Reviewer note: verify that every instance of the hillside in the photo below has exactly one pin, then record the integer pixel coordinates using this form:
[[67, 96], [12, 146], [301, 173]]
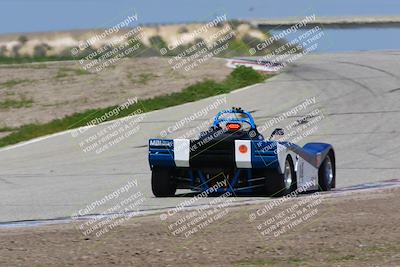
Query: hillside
[[151, 39]]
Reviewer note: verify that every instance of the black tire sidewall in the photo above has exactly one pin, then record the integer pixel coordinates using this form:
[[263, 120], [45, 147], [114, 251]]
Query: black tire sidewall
[[162, 183], [275, 184], [322, 178]]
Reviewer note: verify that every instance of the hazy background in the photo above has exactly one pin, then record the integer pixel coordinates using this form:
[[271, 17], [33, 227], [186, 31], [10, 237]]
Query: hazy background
[[50, 15], [53, 15]]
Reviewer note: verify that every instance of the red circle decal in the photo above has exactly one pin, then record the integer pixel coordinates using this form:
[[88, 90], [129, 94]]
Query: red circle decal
[[243, 149]]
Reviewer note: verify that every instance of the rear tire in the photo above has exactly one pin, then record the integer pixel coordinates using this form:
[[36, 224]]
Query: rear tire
[[327, 173], [162, 183], [278, 184]]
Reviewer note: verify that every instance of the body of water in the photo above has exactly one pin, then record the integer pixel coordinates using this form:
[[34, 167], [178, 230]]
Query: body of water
[[354, 39]]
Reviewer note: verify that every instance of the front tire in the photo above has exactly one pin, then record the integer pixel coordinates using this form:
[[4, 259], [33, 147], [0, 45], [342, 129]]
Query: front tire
[[278, 184], [162, 183]]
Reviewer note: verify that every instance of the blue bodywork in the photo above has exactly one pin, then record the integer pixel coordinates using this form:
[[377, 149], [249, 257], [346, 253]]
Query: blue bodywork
[[264, 155], [248, 119]]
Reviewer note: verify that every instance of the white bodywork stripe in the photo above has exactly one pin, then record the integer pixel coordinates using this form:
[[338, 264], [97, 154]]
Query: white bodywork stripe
[[243, 159], [281, 153], [181, 152], [307, 175]]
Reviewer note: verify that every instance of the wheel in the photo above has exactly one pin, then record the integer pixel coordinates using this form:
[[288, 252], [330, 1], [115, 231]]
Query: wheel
[[326, 173], [162, 183], [278, 184]]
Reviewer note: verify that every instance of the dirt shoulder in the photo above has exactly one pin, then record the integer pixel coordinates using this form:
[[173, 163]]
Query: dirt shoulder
[[41, 92], [358, 229]]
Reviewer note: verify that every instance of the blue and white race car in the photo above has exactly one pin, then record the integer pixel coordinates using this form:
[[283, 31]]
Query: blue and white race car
[[232, 153]]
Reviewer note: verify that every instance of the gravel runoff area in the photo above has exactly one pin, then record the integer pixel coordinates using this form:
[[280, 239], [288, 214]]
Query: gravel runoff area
[[358, 228]]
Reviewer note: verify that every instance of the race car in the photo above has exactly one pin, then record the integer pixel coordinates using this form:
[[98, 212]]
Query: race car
[[232, 156]]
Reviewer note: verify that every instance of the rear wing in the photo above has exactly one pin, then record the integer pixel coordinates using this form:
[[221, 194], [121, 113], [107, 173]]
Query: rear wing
[[245, 154], [238, 153]]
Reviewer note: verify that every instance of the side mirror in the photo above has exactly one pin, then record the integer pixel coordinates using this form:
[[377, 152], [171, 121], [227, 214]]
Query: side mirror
[[277, 131]]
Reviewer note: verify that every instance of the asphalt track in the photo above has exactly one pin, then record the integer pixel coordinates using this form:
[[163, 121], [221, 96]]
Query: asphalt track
[[358, 93]]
